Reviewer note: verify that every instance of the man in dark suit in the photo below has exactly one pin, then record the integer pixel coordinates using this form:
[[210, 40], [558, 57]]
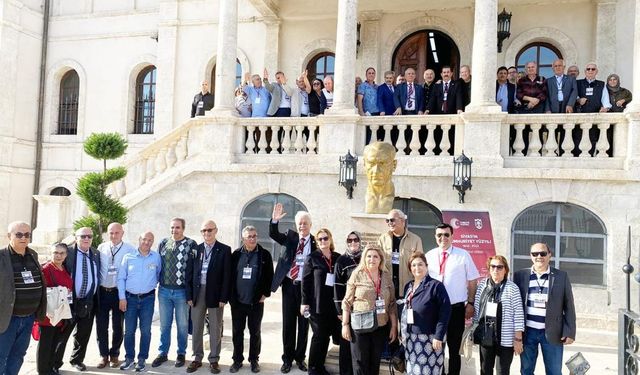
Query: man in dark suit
[[207, 292], [407, 97], [549, 311], [83, 264], [298, 245], [447, 96], [562, 90], [385, 94], [505, 91]]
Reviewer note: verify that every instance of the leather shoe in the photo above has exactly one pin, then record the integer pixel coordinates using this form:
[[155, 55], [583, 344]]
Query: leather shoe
[[193, 366], [255, 367], [214, 368], [159, 360], [180, 360], [302, 366], [235, 367], [103, 362], [286, 367], [115, 362], [79, 366]]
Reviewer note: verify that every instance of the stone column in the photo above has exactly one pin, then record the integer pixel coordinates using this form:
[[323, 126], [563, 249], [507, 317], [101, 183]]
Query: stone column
[[370, 37], [272, 43], [484, 57], [633, 110], [635, 104], [166, 64], [343, 99], [606, 36], [226, 58]]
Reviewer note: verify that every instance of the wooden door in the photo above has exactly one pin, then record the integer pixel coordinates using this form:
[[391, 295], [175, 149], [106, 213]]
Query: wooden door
[[412, 53]]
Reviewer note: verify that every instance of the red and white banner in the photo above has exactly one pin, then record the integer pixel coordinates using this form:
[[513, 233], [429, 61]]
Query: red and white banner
[[472, 232]]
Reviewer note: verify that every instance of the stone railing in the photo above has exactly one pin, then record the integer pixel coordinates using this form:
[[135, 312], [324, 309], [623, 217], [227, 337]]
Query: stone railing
[[414, 135], [277, 135], [600, 135]]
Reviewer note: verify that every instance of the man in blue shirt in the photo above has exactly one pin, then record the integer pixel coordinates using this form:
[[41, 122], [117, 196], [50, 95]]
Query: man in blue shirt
[[137, 280], [259, 96]]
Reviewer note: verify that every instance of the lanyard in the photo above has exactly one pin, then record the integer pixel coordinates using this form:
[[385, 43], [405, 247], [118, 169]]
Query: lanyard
[[113, 255], [443, 262], [328, 262], [207, 256], [540, 285], [379, 285]]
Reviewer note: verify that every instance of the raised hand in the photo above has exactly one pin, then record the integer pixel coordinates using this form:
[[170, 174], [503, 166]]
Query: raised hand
[[278, 213]]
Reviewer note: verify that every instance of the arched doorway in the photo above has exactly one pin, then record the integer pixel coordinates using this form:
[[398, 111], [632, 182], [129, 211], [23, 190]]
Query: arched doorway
[[426, 49], [422, 219]]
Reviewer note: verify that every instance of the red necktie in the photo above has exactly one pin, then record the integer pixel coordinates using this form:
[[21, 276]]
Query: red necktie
[[295, 269], [443, 263]]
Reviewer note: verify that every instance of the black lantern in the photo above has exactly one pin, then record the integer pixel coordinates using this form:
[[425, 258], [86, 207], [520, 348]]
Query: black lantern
[[348, 173], [462, 175], [504, 27]]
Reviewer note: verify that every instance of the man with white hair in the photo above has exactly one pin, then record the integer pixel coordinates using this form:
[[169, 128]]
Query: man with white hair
[[298, 245], [23, 294]]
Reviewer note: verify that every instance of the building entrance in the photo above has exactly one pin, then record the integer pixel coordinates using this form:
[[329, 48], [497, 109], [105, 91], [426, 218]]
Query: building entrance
[[426, 49]]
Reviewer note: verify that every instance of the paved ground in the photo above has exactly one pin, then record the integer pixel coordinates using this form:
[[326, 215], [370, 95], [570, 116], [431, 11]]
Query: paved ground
[[603, 359]]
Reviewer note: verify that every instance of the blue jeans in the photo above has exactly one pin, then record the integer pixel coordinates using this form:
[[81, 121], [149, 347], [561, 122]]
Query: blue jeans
[[14, 343], [551, 353], [170, 300], [138, 309]]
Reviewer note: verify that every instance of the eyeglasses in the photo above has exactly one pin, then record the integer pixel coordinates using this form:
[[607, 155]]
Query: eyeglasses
[[207, 230], [20, 234], [539, 254], [391, 220], [86, 236], [439, 235], [252, 236], [316, 83], [323, 238], [498, 267], [590, 69], [351, 240]]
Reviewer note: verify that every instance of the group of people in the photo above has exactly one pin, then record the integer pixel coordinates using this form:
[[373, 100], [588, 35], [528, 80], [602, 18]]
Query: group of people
[[516, 92], [384, 293]]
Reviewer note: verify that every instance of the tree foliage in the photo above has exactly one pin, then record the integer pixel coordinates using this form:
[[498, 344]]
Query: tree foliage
[[92, 187]]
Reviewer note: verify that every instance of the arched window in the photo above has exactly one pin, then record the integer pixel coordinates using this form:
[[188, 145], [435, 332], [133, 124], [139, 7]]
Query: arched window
[[321, 65], [212, 87], [422, 219], [577, 239], [258, 213], [145, 101], [541, 53], [60, 191], [68, 103]]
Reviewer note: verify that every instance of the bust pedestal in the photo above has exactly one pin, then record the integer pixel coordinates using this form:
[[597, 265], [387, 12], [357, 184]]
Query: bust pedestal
[[370, 226]]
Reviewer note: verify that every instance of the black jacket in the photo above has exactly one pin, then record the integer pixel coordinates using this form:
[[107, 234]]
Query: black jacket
[[511, 95], [70, 265], [207, 104], [265, 274], [315, 292], [218, 275], [290, 241], [345, 265], [455, 97]]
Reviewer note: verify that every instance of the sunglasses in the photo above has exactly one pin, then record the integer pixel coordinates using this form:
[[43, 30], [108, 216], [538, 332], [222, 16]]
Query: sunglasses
[[351, 240], [390, 220], [316, 83], [499, 267], [86, 236], [207, 230], [539, 254], [323, 238], [590, 69], [252, 236], [443, 234], [20, 235]]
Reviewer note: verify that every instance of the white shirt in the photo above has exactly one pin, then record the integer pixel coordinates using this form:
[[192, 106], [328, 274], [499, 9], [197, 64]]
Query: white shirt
[[459, 269], [329, 96], [305, 252], [111, 257]]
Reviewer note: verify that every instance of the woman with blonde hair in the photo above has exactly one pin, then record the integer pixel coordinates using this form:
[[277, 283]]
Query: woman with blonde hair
[[369, 311]]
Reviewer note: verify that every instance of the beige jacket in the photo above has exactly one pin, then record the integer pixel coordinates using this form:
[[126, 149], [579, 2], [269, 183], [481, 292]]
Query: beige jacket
[[409, 243], [361, 295]]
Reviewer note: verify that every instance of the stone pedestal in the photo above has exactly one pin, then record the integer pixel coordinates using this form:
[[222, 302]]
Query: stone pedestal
[[370, 226], [54, 218]]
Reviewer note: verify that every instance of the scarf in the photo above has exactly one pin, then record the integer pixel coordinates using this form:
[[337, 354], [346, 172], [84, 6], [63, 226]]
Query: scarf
[[615, 88]]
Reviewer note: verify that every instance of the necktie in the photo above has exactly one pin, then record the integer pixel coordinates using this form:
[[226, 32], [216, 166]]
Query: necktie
[[390, 88], [85, 276], [445, 107], [443, 262], [295, 269], [409, 100]]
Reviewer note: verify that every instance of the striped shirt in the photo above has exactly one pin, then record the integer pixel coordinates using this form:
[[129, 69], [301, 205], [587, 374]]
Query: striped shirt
[[538, 289], [28, 282], [512, 315]]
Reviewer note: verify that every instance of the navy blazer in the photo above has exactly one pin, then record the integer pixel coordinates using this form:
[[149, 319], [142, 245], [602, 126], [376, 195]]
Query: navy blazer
[[511, 96], [560, 319], [569, 93], [431, 308], [385, 99], [455, 97], [218, 275], [290, 241], [400, 96]]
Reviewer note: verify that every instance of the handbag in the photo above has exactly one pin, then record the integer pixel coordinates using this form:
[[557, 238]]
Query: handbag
[[397, 361], [35, 331], [364, 322], [485, 333]]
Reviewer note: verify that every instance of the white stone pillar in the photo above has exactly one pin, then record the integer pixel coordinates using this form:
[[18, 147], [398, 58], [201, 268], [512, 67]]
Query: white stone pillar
[[633, 110], [168, 23], [226, 58], [344, 88], [272, 44], [635, 104], [370, 37], [484, 57], [605, 35]]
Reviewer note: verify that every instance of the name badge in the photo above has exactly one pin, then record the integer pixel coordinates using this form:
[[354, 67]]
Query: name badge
[[300, 260], [246, 273], [112, 270], [492, 309], [70, 296], [205, 268], [539, 300], [445, 96], [589, 91], [152, 266], [200, 104], [331, 279], [257, 101], [409, 316], [395, 258], [560, 96], [27, 276], [380, 306]]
